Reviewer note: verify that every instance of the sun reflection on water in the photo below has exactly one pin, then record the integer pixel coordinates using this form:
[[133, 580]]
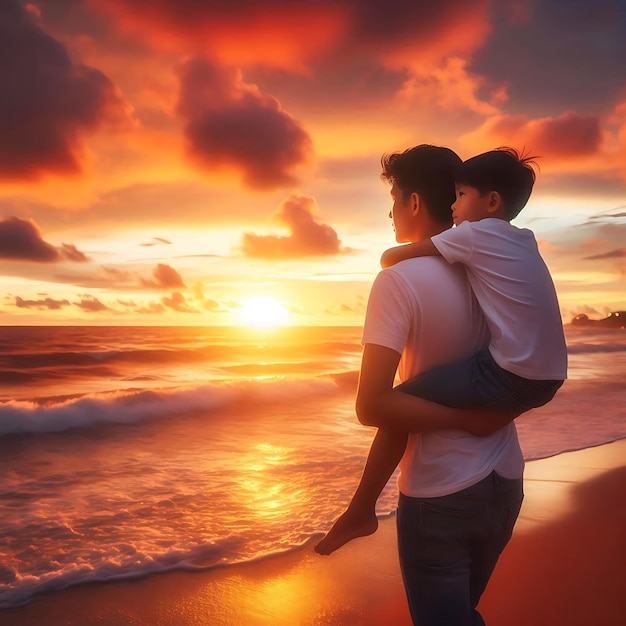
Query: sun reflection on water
[[267, 495]]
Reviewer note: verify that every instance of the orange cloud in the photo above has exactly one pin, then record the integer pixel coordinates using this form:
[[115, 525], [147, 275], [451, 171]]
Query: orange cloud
[[229, 123], [91, 304], [153, 308], [70, 252], [177, 302], [165, 277], [48, 303], [49, 102], [308, 237], [618, 120], [451, 86], [22, 240], [277, 33], [296, 35], [568, 136]]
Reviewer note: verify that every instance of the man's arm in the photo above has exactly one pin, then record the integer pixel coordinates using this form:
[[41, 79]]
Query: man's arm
[[378, 404], [408, 251]]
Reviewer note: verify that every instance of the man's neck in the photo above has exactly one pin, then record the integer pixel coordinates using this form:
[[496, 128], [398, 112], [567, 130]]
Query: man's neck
[[431, 229]]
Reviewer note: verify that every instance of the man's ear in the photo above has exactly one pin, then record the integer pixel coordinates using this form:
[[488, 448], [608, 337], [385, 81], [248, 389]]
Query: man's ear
[[415, 203], [495, 202]]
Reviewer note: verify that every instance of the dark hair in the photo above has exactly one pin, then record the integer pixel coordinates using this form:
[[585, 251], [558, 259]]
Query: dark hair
[[504, 170], [429, 171]]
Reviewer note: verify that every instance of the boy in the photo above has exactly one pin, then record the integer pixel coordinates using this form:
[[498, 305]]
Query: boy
[[526, 361]]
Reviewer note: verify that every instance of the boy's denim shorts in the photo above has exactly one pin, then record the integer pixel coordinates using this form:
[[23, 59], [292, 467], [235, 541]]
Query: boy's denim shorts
[[480, 382]]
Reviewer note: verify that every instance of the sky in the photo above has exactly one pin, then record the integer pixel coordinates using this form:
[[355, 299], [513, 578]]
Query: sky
[[203, 162]]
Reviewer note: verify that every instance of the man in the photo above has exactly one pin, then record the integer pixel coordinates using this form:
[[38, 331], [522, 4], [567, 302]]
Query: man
[[460, 494]]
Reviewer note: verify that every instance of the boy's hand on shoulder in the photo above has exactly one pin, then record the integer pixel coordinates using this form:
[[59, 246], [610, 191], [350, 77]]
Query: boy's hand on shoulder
[[390, 257], [408, 251]]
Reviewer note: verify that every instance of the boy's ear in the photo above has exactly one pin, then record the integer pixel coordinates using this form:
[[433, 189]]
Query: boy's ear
[[495, 202]]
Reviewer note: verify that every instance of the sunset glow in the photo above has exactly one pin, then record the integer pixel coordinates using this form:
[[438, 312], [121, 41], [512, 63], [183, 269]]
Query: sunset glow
[[161, 163], [263, 312]]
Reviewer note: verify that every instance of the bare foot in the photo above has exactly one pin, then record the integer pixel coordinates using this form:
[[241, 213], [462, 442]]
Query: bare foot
[[348, 526]]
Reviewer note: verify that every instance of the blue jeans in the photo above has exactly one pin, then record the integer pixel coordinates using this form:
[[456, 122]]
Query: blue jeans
[[449, 546]]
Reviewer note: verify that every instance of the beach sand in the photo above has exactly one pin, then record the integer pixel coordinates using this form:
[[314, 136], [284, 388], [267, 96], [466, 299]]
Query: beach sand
[[563, 567]]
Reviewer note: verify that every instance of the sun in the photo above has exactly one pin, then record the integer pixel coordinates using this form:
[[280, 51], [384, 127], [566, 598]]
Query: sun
[[263, 313]]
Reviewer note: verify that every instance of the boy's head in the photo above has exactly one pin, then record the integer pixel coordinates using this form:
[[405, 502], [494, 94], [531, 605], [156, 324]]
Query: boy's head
[[430, 172], [502, 178]]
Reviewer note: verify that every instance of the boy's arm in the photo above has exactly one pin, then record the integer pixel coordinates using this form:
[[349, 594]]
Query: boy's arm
[[394, 255], [378, 404]]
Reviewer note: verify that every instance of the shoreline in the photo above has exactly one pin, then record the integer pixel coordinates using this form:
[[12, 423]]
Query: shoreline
[[563, 566]]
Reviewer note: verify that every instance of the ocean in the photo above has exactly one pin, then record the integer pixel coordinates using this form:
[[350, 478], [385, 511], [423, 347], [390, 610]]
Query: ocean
[[131, 451]]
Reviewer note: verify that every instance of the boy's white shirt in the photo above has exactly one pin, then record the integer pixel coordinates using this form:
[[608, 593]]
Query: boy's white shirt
[[515, 291]]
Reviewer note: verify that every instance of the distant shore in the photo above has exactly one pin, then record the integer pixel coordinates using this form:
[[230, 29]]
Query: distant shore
[[615, 319], [564, 565]]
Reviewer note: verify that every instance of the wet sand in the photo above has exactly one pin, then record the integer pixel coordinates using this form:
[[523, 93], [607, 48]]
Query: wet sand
[[563, 567]]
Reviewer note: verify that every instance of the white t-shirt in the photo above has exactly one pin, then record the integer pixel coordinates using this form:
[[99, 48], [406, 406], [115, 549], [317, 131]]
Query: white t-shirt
[[515, 291], [425, 309]]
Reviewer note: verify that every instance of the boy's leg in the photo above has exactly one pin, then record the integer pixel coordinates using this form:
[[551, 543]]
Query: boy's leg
[[467, 384], [359, 519]]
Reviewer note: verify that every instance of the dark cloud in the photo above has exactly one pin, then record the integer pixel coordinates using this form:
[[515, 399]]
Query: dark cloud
[[308, 237], [48, 303], [412, 33], [21, 240], [177, 302], [165, 277], [562, 52], [91, 304], [231, 124], [620, 253], [47, 102]]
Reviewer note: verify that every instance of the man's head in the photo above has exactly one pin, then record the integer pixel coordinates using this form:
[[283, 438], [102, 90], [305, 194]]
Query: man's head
[[422, 177], [497, 183]]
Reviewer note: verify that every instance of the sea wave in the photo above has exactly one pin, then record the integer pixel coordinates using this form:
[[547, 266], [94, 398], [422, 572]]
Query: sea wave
[[20, 359], [126, 407], [17, 589], [591, 348]]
